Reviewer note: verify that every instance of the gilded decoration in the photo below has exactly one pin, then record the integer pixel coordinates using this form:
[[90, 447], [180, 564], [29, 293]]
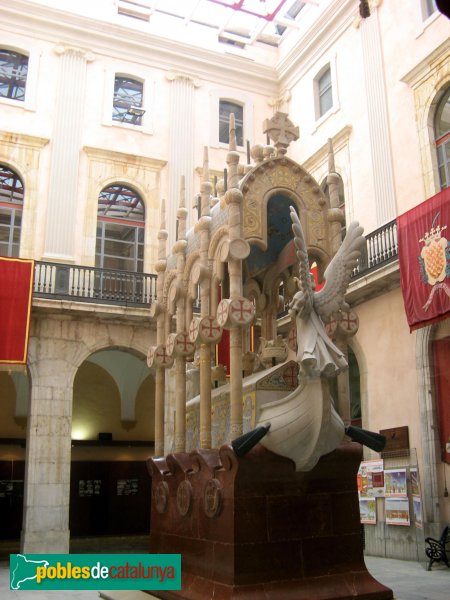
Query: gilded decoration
[[283, 176]]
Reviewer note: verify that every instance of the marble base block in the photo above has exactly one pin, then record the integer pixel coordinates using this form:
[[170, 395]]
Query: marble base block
[[253, 528]]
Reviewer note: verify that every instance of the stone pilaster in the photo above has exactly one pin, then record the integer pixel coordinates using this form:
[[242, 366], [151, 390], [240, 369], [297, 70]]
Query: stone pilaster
[[377, 114], [181, 155], [47, 478], [66, 147]]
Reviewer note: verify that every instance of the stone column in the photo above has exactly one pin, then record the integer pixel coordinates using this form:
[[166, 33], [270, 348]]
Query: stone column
[[179, 250], [181, 154], [203, 228], [48, 453], [157, 311], [234, 199], [377, 113], [66, 146]]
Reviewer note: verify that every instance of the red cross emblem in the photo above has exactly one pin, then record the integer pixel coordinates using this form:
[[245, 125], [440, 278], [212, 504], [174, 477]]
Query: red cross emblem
[[241, 311], [161, 357], [290, 375], [210, 330], [349, 323], [183, 344]]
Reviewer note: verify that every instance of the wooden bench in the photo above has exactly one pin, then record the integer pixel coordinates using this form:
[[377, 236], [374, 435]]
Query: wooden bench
[[437, 551]]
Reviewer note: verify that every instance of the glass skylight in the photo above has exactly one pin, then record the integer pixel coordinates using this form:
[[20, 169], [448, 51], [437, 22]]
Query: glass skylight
[[239, 21]]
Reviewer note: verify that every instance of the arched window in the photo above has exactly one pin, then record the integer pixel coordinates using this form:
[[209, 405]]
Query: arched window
[[225, 109], [127, 102], [13, 74], [120, 229], [11, 205], [442, 137]]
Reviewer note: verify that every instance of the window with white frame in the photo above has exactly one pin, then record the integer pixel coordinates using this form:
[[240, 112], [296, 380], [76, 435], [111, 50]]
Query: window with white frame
[[11, 205], [120, 229], [442, 138], [324, 91], [128, 100], [226, 107], [13, 74], [428, 8]]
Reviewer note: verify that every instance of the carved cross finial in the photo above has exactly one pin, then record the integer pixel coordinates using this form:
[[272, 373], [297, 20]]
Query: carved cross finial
[[281, 131]]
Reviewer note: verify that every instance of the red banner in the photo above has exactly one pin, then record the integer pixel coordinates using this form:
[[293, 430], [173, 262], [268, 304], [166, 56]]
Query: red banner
[[16, 288], [424, 255]]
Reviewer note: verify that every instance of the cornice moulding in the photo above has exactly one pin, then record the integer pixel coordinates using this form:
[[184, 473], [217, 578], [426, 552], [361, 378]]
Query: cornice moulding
[[21, 139], [122, 157], [426, 66]]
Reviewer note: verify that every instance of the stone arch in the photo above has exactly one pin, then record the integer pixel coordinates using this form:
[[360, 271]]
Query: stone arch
[[168, 280], [216, 241], [134, 185], [218, 265], [126, 367], [358, 351]]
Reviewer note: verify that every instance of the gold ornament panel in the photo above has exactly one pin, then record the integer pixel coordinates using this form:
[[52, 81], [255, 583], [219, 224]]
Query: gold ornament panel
[[283, 176]]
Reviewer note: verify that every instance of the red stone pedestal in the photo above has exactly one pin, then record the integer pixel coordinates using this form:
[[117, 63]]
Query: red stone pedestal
[[252, 528]]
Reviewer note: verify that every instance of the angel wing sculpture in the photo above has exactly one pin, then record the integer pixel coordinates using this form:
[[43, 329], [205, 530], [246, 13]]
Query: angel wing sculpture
[[316, 352], [304, 424]]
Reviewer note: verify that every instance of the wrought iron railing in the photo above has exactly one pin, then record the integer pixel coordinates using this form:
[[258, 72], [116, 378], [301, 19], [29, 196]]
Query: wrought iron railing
[[381, 248], [113, 286], [92, 284]]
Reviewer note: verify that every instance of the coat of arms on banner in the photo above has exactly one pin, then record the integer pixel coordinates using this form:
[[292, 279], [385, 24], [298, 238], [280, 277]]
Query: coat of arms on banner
[[434, 260]]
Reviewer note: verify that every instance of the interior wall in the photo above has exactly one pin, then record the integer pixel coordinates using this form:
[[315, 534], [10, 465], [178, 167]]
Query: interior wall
[[96, 407], [10, 426]]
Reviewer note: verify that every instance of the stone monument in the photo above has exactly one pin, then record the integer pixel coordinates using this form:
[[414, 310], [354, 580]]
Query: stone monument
[[276, 519]]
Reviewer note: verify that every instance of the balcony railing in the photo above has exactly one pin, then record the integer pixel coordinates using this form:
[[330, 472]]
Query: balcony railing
[[91, 284], [381, 248], [112, 286]]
